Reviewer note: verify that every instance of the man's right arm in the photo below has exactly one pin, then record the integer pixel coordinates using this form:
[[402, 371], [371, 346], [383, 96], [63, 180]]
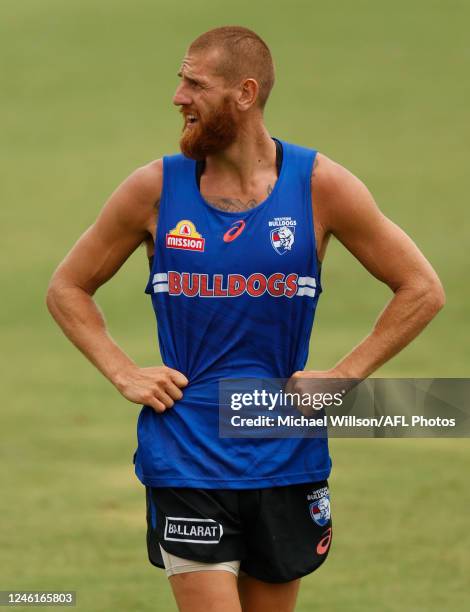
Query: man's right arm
[[127, 219]]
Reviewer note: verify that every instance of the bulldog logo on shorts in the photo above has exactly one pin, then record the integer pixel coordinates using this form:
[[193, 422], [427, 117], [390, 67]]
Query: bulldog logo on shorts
[[320, 510]]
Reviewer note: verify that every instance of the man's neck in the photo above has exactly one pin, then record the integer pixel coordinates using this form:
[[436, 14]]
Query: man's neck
[[252, 152]]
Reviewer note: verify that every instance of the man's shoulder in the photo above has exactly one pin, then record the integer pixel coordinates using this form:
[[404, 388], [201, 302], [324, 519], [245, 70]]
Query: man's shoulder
[[338, 196], [134, 202], [326, 173], [144, 184], [329, 178], [149, 176]]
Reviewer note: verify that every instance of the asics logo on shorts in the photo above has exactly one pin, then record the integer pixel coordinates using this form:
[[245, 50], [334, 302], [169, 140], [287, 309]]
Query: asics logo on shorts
[[324, 544], [195, 530]]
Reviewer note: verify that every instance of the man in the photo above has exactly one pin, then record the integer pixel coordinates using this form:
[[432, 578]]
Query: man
[[235, 230]]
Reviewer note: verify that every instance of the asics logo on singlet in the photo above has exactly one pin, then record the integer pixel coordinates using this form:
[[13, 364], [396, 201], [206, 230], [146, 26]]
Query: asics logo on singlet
[[233, 285], [235, 230]]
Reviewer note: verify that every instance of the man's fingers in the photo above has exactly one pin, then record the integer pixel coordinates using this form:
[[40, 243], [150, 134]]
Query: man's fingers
[[157, 405], [178, 378], [173, 391], [291, 385], [164, 398]]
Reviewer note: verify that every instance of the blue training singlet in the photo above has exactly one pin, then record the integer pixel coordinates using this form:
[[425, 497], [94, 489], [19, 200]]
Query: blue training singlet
[[234, 294]]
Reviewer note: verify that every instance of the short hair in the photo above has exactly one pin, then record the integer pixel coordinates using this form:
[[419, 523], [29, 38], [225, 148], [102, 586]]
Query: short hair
[[244, 55]]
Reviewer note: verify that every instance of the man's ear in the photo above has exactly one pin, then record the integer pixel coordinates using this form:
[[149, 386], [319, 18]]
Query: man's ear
[[248, 94]]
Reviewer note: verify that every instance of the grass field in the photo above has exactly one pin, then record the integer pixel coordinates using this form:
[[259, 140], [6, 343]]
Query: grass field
[[86, 97]]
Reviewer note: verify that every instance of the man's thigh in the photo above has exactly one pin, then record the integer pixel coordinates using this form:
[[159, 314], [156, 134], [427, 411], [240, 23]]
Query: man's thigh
[[258, 596], [206, 591], [213, 591]]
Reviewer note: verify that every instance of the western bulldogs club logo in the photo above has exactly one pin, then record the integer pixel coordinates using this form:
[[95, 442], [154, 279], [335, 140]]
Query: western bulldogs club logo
[[320, 506], [283, 234]]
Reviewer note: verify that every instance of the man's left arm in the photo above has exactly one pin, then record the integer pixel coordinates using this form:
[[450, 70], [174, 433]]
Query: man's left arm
[[344, 208]]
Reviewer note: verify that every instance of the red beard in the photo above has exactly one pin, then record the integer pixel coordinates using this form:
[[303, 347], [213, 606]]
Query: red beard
[[210, 135]]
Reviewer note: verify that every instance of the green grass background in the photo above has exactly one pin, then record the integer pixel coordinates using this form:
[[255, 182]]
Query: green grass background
[[86, 90]]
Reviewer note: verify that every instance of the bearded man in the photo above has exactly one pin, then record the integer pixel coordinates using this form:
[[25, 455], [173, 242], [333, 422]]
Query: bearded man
[[236, 229]]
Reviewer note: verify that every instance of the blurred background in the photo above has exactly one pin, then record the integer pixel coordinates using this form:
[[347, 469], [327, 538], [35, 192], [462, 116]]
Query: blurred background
[[382, 88]]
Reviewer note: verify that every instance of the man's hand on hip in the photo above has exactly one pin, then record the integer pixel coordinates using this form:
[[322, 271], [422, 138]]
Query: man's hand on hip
[[158, 387]]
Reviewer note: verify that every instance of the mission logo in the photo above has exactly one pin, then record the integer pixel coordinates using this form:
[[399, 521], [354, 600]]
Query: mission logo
[[185, 237]]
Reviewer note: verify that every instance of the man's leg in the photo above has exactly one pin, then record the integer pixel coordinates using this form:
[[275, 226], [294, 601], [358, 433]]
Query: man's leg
[[258, 596], [206, 591]]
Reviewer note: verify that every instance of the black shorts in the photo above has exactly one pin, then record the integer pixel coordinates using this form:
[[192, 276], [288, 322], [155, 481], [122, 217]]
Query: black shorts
[[278, 534]]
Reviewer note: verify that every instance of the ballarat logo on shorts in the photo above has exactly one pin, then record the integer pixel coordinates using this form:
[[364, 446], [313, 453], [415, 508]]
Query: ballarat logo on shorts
[[320, 506], [195, 530], [283, 234], [184, 236]]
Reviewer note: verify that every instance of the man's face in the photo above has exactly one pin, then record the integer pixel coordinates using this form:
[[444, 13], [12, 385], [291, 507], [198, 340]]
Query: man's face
[[205, 100]]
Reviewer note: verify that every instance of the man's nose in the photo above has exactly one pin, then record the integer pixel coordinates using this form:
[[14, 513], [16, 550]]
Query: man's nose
[[181, 98]]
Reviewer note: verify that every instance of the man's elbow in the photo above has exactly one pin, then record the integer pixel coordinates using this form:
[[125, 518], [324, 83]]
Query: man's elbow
[[440, 299], [52, 294], [57, 291], [433, 297]]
